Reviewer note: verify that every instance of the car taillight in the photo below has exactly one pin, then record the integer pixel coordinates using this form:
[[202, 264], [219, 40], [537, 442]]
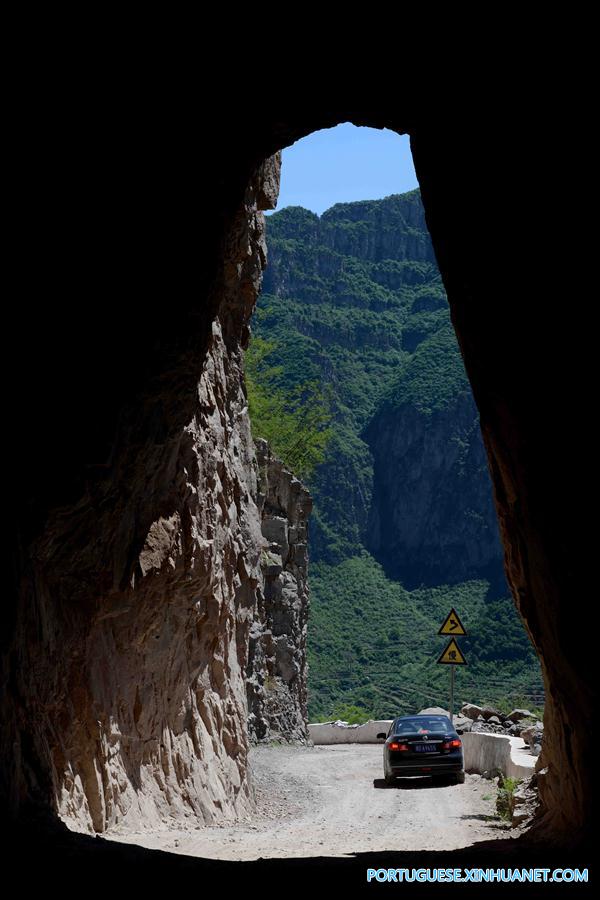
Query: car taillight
[[452, 745], [396, 746]]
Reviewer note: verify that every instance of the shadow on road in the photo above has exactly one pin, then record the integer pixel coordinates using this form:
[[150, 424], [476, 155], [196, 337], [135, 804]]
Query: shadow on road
[[492, 821], [483, 818], [85, 867], [410, 784], [419, 783]]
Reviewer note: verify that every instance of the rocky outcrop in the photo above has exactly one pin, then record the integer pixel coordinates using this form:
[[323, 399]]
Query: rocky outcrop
[[276, 682], [315, 266], [525, 802], [137, 602], [437, 523]]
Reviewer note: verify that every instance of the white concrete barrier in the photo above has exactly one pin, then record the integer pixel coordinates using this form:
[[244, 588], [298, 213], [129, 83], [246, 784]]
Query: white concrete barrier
[[485, 752], [342, 733]]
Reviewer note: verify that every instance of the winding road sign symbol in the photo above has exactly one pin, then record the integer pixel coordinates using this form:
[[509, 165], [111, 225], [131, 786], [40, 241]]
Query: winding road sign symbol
[[452, 624]]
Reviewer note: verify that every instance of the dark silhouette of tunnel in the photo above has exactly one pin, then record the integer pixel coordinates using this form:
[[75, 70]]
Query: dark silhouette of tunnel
[[123, 221]]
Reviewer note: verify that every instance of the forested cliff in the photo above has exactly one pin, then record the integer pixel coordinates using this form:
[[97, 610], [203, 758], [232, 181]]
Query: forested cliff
[[403, 523]]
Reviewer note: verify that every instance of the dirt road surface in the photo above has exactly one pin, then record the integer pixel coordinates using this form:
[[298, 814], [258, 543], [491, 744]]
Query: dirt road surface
[[333, 801]]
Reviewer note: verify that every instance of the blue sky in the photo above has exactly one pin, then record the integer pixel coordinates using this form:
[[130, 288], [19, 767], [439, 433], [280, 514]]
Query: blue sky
[[338, 165]]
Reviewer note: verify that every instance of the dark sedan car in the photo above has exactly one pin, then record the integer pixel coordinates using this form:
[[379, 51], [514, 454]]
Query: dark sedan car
[[422, 745]]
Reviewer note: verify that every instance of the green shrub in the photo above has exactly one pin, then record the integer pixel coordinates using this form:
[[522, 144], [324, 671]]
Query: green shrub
[[505, 801], [346, 712], [507, 704]]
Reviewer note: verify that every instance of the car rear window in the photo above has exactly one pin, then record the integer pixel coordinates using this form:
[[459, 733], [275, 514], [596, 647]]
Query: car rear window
[[417, 726]]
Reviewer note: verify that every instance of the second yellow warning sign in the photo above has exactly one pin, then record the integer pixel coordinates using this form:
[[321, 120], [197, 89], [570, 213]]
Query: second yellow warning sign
[[452, 655]]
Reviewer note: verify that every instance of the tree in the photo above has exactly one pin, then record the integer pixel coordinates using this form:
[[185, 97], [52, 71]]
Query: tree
[[296, 422]]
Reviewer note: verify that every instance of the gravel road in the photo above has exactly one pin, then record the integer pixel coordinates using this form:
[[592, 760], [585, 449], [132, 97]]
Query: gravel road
[[332, 801]]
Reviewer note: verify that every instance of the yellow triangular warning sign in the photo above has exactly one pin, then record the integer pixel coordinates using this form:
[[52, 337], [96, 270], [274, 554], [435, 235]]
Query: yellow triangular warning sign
[[452, 655], [452, 624]]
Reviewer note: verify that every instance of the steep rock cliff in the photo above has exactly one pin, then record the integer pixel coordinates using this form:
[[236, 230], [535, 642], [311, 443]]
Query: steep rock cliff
[[276, 682], [348, 297], [432, 517], [130, 644]]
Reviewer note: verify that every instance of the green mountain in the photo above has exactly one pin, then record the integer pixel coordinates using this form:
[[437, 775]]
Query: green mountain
[[403, 526]]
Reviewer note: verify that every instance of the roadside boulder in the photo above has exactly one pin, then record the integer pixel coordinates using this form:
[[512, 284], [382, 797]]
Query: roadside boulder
[[433, 711], [533, 736], [517, 714], [471, 711], [487, 727], [488, 711], [462, 723]]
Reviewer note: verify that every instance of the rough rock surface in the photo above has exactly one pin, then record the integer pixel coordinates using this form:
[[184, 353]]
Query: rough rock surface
[[487, 719], [277, 672], [489, 712], [525, 802], [517, 714], [534, 736], [442, 508], [471, 711], [463, 723], [137, 604]]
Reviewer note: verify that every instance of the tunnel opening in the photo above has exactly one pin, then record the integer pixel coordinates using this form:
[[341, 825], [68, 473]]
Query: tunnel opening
[[495, 378], [96, 549], [342, 310], [348, 310]]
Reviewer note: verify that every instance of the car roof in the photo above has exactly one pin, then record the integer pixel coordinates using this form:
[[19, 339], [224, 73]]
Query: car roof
[[424, 716]]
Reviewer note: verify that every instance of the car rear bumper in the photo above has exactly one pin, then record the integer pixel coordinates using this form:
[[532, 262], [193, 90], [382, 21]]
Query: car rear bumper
[[432, 769], [422, 764]]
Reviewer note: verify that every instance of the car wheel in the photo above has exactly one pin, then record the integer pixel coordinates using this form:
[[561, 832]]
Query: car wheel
[[390, 779], [459, 778]]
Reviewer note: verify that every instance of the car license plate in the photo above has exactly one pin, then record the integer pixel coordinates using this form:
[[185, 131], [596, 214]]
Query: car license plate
[[425, 748]]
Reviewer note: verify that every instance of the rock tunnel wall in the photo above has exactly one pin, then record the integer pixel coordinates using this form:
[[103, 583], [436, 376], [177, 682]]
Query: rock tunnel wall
[[139, 263], [132, 641]]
